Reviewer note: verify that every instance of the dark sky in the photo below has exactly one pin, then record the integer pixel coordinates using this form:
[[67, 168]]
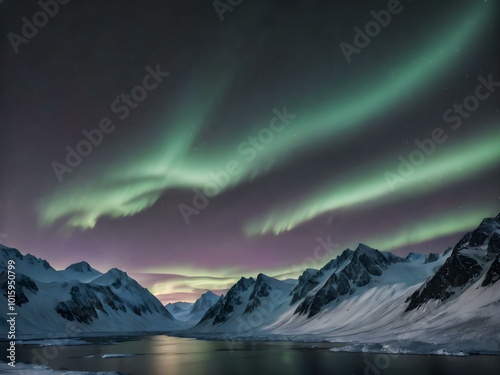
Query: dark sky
[[245, 138]]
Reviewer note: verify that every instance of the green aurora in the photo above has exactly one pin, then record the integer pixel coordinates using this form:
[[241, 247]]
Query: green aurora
[[132, 185]]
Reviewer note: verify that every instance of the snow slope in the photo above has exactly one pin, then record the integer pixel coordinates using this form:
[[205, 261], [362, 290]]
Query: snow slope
[[80, 271], [248, 304], [180, 310], [202, 305], [78, 300], [444, 303], [29, 369], [193, 312]]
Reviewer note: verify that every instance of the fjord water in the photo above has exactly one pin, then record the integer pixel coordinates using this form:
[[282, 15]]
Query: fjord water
[[160, 355]]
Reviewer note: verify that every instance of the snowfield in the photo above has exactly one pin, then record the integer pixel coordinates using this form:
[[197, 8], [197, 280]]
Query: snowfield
[[26, 369], [431, 304]]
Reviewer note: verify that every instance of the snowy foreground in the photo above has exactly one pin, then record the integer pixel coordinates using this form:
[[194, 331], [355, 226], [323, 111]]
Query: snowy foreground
[[26, 369], [388, 349]]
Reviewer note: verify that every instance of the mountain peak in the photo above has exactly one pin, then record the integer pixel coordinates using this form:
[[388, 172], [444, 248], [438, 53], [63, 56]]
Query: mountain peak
[[385, 257], [262, 278], [204, 303], [362, 248], [345, 255], [209, 294], [117, 272], [80, 267], [116, 278], [13, 253], [472, 258], [244, 283]]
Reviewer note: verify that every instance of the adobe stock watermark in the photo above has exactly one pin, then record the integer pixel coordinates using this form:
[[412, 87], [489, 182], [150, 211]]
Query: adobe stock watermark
[[11, 311], [249, 149], [383, 360], [483, 91], [223, 6], [47, 353], [372, 29], [317, 260], [427, 146], [30, 28], [121, 106]]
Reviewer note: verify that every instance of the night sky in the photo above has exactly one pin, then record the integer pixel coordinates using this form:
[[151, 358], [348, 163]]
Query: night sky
[[244, 139]]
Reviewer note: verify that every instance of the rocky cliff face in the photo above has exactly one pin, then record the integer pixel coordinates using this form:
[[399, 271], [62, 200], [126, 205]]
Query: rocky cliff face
[[235, 297], [475, 255], [88, 301], [249, 298], [49, 300], [351, 270]]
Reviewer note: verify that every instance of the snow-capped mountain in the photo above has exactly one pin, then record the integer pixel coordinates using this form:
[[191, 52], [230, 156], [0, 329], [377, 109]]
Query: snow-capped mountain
[[202, 305], [269, 306], [227, 305], [368, 296], [250, 302], [476, 256], [80, 271], [179, 310], [362, 296], [341, 277], [193, 312], [79, 299]]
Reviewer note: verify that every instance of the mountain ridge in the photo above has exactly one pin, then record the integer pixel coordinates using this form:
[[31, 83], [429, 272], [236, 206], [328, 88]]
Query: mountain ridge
[[365, 295], [362, 295], [50, 301]]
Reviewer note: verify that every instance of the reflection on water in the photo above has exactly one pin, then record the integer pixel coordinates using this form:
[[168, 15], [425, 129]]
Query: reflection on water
[[160, 355]]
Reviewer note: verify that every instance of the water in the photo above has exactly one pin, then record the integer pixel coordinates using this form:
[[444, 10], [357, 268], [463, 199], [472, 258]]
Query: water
[[161, 355]]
